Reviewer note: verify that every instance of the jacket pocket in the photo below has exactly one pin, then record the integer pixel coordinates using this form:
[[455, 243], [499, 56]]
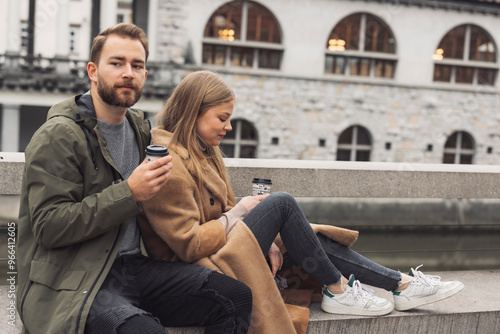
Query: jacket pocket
[[55, 277]]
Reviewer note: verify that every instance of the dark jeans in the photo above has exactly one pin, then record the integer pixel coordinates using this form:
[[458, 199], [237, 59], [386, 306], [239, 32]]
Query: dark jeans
[[168, 294], [323, 258]]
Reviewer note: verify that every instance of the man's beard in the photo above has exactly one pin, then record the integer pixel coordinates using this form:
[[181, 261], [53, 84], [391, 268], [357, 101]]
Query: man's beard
[[109, 95]]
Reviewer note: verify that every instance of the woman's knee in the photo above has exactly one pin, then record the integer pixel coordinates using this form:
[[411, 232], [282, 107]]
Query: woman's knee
[[282, 197]]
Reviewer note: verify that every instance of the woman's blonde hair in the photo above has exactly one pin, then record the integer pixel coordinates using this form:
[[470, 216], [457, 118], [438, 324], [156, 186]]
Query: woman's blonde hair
[[197, 92]]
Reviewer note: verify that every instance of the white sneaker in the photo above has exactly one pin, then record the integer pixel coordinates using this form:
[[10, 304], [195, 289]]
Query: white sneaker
[[356, 300], [424, 289]]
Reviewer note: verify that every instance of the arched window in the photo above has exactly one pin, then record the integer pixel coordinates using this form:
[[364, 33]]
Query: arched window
[[459, 148], [241, 142], [361, 45], [466, 55], [354, 144], [242, 34]]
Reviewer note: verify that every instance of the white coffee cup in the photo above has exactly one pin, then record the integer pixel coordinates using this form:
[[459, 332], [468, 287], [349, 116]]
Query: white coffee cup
[[261, 186], [154, 152]]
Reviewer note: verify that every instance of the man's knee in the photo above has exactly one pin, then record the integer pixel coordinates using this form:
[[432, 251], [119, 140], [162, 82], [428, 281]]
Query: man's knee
[[235, 296]]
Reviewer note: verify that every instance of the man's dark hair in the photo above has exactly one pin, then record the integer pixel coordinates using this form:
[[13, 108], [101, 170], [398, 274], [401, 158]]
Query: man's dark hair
[[122, 29]]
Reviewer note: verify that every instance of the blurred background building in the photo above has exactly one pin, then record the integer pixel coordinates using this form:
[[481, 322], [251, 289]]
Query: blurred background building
[[385, 81]]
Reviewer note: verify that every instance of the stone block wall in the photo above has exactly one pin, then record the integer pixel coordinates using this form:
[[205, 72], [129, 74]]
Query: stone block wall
[[300, 112]]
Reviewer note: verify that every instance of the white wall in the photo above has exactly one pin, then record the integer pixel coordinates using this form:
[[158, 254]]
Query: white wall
[[306, 25]]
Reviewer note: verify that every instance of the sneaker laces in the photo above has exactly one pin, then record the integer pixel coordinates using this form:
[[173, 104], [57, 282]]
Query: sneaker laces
[[359, 289], [420, 277]]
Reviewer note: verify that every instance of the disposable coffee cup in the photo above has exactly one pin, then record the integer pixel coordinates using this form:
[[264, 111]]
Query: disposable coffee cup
[[261, 186], [154, 152]]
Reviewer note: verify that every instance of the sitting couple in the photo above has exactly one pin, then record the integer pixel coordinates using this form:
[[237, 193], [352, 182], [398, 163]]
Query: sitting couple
[[86, 180]]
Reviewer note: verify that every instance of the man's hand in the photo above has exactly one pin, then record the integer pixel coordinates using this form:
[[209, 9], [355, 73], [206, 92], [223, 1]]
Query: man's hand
[[148, 178], [251, 201]]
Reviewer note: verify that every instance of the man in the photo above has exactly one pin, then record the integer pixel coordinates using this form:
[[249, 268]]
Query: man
[[80, 263]]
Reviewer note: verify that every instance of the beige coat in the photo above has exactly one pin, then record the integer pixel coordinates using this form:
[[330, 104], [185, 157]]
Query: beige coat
[[183, 226]]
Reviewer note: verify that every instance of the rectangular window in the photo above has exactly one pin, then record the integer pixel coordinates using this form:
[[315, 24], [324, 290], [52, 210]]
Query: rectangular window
[[242, 57], [270, 59], [335, 64], [486, 76], [442, 73], [360, 66], [214, 54], [464, 75], [384, 68]]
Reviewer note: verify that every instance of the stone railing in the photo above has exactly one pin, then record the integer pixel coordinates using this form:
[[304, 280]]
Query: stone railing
[[65, 75]]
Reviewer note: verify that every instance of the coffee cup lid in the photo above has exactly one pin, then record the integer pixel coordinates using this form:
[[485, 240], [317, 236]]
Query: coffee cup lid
[[264, 181], [156, 150]]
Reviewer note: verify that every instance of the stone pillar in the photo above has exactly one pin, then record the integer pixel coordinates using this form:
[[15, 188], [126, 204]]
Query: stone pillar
[[109, 9], [13, 34], [11, 118], [62, 46], [153, 29], [13, 28]]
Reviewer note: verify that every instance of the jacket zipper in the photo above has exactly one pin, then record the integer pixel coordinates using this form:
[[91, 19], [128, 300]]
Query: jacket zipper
[[138, 135], [24, 298], [97, 278]]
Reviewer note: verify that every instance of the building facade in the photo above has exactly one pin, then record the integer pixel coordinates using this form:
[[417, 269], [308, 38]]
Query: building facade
[[385, 81]]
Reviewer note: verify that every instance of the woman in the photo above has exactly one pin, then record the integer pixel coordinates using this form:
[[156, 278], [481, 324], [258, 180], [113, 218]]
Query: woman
[[194, 217]]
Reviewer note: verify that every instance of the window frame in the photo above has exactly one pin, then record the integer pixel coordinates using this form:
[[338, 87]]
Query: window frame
[[455, 64], [237, 142], [354, 55], [353, 146], [458, 151], [243, 42]]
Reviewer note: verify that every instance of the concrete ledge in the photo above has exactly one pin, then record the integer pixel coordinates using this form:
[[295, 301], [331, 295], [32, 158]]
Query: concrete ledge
[[474, 310], [11, 173], [313, 178]]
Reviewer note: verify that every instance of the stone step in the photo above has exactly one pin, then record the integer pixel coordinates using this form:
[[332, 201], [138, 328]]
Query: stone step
[[474, 310]]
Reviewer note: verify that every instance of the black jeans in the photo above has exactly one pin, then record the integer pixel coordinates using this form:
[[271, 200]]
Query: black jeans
[[323, 258], [168, 294]]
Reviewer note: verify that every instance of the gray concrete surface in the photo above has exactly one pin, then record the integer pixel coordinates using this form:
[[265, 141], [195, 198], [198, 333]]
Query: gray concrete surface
[[313, 178], [476, 309]]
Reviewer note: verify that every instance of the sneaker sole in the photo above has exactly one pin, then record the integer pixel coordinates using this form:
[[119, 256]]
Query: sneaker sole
[[355, 311], [408, 305]]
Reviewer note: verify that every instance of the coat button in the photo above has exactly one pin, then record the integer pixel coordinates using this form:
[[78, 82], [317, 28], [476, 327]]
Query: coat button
[[212, 202]]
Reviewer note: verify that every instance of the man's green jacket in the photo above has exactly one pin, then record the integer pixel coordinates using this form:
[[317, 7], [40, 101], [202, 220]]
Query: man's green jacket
[[75, 207]]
